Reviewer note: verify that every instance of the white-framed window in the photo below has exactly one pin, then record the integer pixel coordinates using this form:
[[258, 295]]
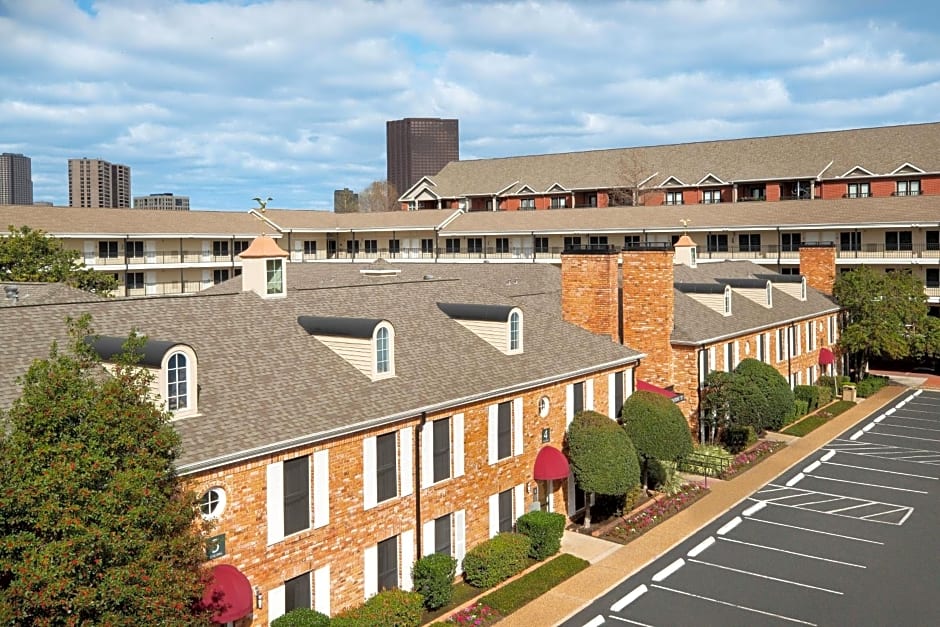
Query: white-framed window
[[811, 335], [442, 449], [108, 249], [177, 382], [710, 196], [310, 247], [858, 190], [673, 198], [212, 503], [446, 534], [504, 430], [388, 564], [383, 341], [515, 331], [289, 503], [386, 466], [781, 344], [274, 276], [578, 397], [908, 188], [306, 590], [729, 357], [220, 248], [527, 204], [803, 288], [619, 389], [559, 202], [505, 508]]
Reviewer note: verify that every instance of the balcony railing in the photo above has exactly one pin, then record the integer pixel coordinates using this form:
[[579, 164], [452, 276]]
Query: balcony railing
[[158, 257]]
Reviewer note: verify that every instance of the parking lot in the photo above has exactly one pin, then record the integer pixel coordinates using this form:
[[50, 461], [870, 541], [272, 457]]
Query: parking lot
[[848, 537]]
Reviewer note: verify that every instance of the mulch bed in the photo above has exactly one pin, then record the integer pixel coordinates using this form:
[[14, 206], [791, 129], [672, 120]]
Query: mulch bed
[[624, 529]]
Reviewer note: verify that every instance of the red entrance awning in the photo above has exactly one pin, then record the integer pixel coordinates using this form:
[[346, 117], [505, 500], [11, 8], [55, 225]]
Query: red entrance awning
[[550, 465], [675, 397], [825, 357], [229, 592]]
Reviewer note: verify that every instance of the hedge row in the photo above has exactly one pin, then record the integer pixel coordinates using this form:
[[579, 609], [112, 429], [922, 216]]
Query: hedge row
[[530, 586], [496, 560], [871, 384]]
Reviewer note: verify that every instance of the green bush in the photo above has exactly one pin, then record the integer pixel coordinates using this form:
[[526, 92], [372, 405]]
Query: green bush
[[394, 608], [301, 617], [530, 586], [800, 409], [657, 429], [601, 455], [825, 395], [544, 530], [433, 577], [761, 396], [495, 560], [634, 497], [736, 438], [871, 384], [809, 394]]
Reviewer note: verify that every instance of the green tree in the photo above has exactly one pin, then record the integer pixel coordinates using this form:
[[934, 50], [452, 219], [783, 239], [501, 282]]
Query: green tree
[[657, 429], [95, 529], [760, 396], [602, 457], [716, 403], [886, 314], [31, 255]]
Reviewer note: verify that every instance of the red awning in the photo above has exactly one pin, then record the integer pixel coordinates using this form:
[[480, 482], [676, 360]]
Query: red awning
[[825, 357], [550, 464], [675, 397], [230, 592]]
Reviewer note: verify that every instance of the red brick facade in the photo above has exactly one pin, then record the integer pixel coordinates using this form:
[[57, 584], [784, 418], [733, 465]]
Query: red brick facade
[[818, 265], [589, 291], [649, 310]]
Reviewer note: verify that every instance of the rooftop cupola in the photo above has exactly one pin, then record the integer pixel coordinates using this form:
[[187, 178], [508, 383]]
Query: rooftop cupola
[[686, 252], [263, 268]]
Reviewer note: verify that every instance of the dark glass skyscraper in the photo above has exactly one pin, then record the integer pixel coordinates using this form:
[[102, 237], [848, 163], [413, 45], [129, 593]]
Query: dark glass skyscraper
[[419, 147]]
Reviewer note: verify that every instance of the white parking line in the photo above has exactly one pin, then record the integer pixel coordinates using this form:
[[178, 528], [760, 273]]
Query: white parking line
[[768, 577], [701, 546], [808, 530], [816, 464], [857, 435], [906, 437], [868, 427], [806, 555], [890, 472], [629, 598], [668, 570], [869, 485], [795, 480], [594, 622], [917, 419], [878, 419], [890, 411], [753, 509], [728, 526], [735, 605], [915, 428], [631, 622]]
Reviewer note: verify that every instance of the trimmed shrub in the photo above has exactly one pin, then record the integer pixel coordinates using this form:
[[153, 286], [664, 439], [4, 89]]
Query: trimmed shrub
[[544, 530], [761, 396], [871, 384], [301, 617], [514, 595], [825, 395], [433, 577], [736, 438], [495, 560], [601, 455], [394, 608], [657, 429], [800, 409], [809, 394]]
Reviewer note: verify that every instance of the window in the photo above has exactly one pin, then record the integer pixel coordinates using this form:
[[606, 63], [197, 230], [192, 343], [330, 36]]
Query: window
[[572, 242], [898, 240], [711, 196], [383, 356], [505, 511], [559, 202], [761, 352], [134, 249], [527, 204], [515, 331], [296, 495], [790, 242], [474, 245], [212, 503], [749, 242], [219, 275], [598, 241], [297, 592], [239, 246], [631, 241], [134, 280], [220, 248], [908, 188], [544, 405], [504, 430], [441, 449], [452, 245], [427, 246], [753, 192], [717, 243], [618, 393], [590, 200], [933, 278], [275, 276], [394, 246], [810, 336], [790, 270], [387, 559], [310, 247], [502, 245], [578, 394], [371, 246], [729, 357], [858, 190], [177, 388], [673, 198], [541, 244], [352, 247], [932, 239], [850, 240], [108, 249], [386, 467], [442, 527], [781, 344]]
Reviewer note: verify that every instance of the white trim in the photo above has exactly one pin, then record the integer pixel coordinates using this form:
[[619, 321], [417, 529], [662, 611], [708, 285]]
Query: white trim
[[275, 501], [368, 473], [456, 429], [427, 537], [519, 501], [407, 549], [611, 396], [494, 514], [321, 488], [276, 603], [427, 454], [569, 404], [589, 394], [406, 460], [851, 172], [321, 590], [628, 384], [370, 558], [492, 433], [517, 439], [571, 487], [551, 495], [909, 166], [460, 537]]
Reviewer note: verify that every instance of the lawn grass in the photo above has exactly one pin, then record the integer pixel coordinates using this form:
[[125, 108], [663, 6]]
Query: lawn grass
[[510, 597], [818, 419]]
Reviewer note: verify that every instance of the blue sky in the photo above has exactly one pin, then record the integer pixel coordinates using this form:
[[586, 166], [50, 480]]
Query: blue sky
[[224, 101]]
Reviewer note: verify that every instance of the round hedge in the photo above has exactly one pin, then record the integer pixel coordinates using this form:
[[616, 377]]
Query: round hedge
[[761, 396], [656, 427], [601, 455]]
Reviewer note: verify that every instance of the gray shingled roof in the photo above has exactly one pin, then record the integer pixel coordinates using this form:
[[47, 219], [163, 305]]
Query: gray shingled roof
[[264, 383], [830, 154], [327, 221], [34, 293]]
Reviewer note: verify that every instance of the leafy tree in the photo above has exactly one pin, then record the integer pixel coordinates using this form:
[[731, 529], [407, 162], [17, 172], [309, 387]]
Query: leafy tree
[[657, 429], [760, 397], [31, 255], [886, 314], [602, 457], [716, 403], [96, 529]]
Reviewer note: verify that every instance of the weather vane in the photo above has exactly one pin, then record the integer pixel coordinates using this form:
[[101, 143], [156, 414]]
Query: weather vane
[[685, 223], [262, 205]]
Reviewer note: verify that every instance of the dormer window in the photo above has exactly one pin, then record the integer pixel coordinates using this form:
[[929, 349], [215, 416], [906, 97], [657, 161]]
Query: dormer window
[[383, 351], [366, 344], [727, 311], [515, 331], [177, 382], [770, 294], [498, 325], [274, 276]]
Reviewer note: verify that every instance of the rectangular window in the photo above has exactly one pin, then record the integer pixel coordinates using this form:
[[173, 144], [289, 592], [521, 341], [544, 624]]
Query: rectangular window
[[371, 246], [899, 240], [504, 430], [134, 249], [711, 196], [220, 248], [297, 593], [717, 243], [572, 242], [442, 527], [108, 249], [239, 246], [729, 357], [559, 202], [394, 246], [387, 560], [427, 246], [631, 241], [578, 389], [527, 204], [850, 241], [452, 245], [441, 449], [352, 247], [386, 467], [502, 245], [908, 188], [541, 244], [505, 510], [933, 278], [761, 347], [134, 280], [618, 393], [598, 241], [219, 275], [274, 273], [810, 336], [296, 495], [858, 190], [749, 242], [673, 198], [790, 270], [790, 242], [932, 240], [474, 245], [781, 344], [310, 247]]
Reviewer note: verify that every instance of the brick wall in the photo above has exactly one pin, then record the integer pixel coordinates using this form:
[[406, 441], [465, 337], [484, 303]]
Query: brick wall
[[648, 311], [818, 265], [589, 296]]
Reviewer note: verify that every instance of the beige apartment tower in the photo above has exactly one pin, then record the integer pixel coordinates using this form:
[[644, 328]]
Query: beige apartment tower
[[162, 202], [98, 183], [16, 180]]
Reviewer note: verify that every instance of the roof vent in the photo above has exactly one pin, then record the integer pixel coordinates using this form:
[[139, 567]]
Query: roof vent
[[428, 277], [12, 292]]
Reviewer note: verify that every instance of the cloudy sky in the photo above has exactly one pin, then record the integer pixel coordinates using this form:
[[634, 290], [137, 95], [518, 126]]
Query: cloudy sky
[[223, 101]]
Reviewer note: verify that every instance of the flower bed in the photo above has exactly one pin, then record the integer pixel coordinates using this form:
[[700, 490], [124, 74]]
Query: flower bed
[[754, 455], [636, 524], [477, 614]]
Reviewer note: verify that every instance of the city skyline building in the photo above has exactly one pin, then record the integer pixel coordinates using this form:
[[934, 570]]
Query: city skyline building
[[419, 147], [162, 202], [16, 179], [99, 183]]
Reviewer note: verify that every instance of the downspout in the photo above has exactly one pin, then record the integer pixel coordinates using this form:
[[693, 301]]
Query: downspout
[[417, 480]]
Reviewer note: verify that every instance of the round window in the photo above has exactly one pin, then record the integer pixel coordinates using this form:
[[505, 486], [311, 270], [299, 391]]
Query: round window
[[544, 406], [212, 503]]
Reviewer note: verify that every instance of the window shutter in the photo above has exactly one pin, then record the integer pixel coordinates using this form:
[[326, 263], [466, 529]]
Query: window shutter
[[460, 538], [737, 354], [276, 603], [589, 394], [491, 430], [275, 501], [571, 487], [371, 565], [457, 429], [407, 559], [427, 454], [569, 404], [321, 590], [406, 460], [494, 514], [517, 426], [628, 385], [321, 488], [368, 473], [711, 358], [520, 502], [427, 537], [611, 412]]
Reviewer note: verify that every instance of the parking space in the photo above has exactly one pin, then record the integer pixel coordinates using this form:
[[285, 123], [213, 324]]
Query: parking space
[[847, 537]]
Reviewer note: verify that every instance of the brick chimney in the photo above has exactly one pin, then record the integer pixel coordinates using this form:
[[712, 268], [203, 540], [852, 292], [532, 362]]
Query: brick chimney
[[649, 309], [589, 296], [818, 265]]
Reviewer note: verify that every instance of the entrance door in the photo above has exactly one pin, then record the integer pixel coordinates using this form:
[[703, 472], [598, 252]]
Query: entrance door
[[545, 495]]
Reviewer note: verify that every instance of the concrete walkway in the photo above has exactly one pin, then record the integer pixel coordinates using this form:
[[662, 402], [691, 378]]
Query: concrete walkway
[[608, 568]]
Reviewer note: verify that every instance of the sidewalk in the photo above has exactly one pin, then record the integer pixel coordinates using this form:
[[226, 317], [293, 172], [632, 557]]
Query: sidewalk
[[570, 596]]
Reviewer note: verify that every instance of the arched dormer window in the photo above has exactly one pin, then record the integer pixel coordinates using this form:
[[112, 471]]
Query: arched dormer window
[[770, 294], [727, 311], [384, 350], [515, 331], [803, 289], [177, 382]]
